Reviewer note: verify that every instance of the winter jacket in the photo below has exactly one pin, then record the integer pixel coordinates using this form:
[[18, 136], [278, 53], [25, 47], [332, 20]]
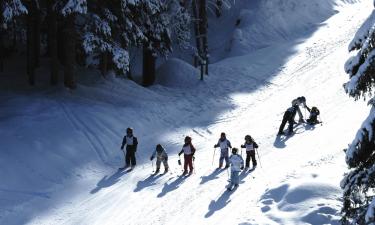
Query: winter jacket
[[187, 149], [160, 155], [223, 144], [250, 146], [236, 162], [130, 142]]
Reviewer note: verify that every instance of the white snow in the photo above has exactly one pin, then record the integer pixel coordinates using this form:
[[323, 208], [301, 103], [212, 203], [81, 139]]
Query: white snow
[[61, 149]]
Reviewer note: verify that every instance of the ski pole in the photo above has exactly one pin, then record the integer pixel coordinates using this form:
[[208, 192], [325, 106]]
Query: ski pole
[[152, 163], [213, 157], [228, 174], [179, 162], [193, 159], [321, 121], [258, 158]]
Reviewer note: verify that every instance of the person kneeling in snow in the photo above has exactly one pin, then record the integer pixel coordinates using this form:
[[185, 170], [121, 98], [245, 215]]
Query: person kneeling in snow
[[296, 103], [224, 145], [314, 113], [250, 146], [188, 150], [161, 157], [236, 163]]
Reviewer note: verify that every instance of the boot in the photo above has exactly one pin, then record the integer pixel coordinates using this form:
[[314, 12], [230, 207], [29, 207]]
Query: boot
[[166, 170], [157, 170], [220, 165]]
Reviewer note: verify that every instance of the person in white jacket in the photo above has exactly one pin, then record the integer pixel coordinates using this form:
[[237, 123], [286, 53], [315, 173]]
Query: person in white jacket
[[236, 163], [161, 157]]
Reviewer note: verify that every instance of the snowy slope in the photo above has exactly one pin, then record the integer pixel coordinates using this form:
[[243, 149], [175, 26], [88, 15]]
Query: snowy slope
[[60, 149]]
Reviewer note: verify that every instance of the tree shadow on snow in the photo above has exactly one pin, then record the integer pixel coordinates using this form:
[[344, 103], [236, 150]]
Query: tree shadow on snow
[[171, 186], [212, 176], [149, 181], [108, 181]]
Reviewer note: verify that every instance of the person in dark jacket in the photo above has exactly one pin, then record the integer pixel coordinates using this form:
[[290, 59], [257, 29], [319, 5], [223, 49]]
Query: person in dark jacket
[[224, 145], [131, 143], [313, 118], [250, 146], [289, 115], [188, 150], [300, 101]]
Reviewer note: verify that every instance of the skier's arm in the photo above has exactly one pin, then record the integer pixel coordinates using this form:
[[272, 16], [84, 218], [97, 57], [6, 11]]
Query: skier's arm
[[192, 149], [255, 145], [217, 144], [153, 155], [135, 143], [182, 151], [229, 145], [123, 142]]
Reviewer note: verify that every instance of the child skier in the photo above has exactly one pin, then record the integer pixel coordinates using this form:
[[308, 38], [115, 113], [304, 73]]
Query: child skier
[[131, 143], [289, 115], [250, 146], [161, 157], [188, 150], [313, 118], [224, 145], [236, 163]]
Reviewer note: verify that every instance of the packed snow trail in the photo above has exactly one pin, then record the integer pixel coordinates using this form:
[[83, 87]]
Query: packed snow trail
[[297, 178]]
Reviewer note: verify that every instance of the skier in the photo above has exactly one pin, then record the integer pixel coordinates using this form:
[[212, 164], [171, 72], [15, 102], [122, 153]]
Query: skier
[[224, 145], [131, 143], [313, 118], [289, 115], [250, 146], [188, 150], [236, 163], [161, 157], [297, 102]]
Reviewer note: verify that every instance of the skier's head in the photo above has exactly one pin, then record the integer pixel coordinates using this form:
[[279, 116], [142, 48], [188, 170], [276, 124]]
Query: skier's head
[[159, 148], [187, 139], [222, 135], [129, 131], [234, 151], [248, 138], [314, 109], [302, 99]]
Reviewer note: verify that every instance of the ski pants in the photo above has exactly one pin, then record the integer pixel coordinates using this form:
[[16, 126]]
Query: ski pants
[[130, 156], [250, 155], [164, 161], [234, 178], [288, 117], [224, 155], [188, 161]]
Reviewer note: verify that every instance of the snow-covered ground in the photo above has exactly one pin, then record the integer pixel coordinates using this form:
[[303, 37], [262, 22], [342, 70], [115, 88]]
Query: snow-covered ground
[[61, 149]]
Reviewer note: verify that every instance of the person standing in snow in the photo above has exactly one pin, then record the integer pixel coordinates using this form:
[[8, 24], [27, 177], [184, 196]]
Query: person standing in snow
[[297, 102], [289, 115], [236, 163], [250, 146], [161, 157], [188, 150], [131, 143], [224, 145]]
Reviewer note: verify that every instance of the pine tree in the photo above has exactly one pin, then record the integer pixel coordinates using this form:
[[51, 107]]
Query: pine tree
[[359, 183]]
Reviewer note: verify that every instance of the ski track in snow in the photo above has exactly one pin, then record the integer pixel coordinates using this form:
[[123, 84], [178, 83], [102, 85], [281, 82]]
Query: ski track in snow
[[286, 187]]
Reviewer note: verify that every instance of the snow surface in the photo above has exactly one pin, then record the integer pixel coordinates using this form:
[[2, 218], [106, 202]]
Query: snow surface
[[61, 149]]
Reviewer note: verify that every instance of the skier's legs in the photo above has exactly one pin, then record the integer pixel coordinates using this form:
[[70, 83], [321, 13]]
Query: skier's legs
[[235, 177], [283, 122], [158, 162], [299, 113], [132, 157], [247, 158], [165, 163], [127, 157], [253, 159], [226, 157]]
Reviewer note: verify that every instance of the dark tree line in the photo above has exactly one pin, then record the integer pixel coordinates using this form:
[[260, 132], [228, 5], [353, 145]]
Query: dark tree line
[[71, 33]]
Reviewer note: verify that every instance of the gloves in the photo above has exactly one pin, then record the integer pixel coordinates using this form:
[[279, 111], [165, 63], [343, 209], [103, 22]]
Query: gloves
[[151, 158], [215, 146], [241, 167], [242, 146], [193, 158], [179, 154]]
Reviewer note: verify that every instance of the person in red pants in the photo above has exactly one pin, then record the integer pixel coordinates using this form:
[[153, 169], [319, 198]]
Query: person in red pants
[[188, 150]]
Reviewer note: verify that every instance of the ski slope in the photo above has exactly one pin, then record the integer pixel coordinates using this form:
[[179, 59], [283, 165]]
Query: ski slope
[[61, 149]]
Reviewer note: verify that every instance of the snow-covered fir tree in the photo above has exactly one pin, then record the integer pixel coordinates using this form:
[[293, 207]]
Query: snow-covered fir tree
[[10, 9], [359, 183]]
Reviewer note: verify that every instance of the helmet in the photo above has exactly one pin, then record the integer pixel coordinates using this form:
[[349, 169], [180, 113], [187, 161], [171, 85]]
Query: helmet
[[234, 150], [247, 137], [222, 134], [302, 99], [159, 148], [129, 130]]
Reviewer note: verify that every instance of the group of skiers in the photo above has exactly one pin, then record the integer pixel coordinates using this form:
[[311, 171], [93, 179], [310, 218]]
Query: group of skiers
[[235, 161]]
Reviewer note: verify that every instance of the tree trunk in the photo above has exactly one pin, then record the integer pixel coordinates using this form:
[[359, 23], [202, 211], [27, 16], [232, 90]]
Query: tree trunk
[[2, 49], [52, 45], [203, 33], [219, 4], [196, 31], [37, 28], [104, 63], [31, 43], [149, 64], [69, 49]]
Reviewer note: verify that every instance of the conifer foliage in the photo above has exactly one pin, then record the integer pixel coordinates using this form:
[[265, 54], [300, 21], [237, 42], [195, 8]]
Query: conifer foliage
[[359, 183]]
